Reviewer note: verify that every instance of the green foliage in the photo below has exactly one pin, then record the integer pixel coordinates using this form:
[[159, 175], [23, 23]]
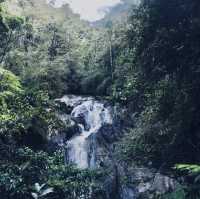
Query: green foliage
[[150, 64], [162, 86], [41, 191], [21, 107], [40, 59], [195, 169], [9, 87], [13, 23], [192, 185], [178, 194], [9, 83], [48, 49], [9, 26], [22, 171], [95, 84]]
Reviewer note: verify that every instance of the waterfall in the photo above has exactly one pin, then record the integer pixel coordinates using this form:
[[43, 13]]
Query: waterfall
[[90, 115], [91, 145]]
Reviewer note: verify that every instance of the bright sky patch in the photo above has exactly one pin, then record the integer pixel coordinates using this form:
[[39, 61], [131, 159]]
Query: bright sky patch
[[90, 10]]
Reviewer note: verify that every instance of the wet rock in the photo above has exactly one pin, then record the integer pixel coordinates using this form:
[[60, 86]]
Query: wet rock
[[127, 192], [162, 184], [80, 116], [63, 107], [108, 133], [73, 100], [67, 130], [146, 183]]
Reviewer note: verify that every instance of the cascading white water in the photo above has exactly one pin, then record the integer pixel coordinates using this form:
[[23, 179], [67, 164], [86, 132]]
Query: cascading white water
[[93, 114]]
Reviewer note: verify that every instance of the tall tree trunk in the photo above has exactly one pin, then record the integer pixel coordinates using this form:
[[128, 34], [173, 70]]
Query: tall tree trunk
[[111, 56]]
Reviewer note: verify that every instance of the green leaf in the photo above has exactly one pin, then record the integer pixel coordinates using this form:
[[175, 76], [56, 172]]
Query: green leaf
[[47, 191], [35, 196]]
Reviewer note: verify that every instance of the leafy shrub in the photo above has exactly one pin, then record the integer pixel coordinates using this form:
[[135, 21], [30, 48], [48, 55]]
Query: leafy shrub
[[20, 172], [191, 174]]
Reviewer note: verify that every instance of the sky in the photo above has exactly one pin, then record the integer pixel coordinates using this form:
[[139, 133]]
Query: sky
[[91, 10]]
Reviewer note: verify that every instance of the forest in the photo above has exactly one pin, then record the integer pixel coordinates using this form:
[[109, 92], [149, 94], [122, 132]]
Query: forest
[[100, 110]]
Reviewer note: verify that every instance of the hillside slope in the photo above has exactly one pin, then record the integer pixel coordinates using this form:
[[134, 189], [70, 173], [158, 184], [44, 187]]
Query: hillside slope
[[118, 13]]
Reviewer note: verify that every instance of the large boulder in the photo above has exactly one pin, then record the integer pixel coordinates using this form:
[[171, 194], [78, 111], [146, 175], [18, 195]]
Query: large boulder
[[145, 183], [139, 183], [68, 128]]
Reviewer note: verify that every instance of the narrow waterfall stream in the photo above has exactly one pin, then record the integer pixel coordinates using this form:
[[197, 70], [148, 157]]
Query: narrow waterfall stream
[[90, 115]]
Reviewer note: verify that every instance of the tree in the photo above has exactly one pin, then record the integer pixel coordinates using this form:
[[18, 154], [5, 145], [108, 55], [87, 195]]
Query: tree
[[9, 26]]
